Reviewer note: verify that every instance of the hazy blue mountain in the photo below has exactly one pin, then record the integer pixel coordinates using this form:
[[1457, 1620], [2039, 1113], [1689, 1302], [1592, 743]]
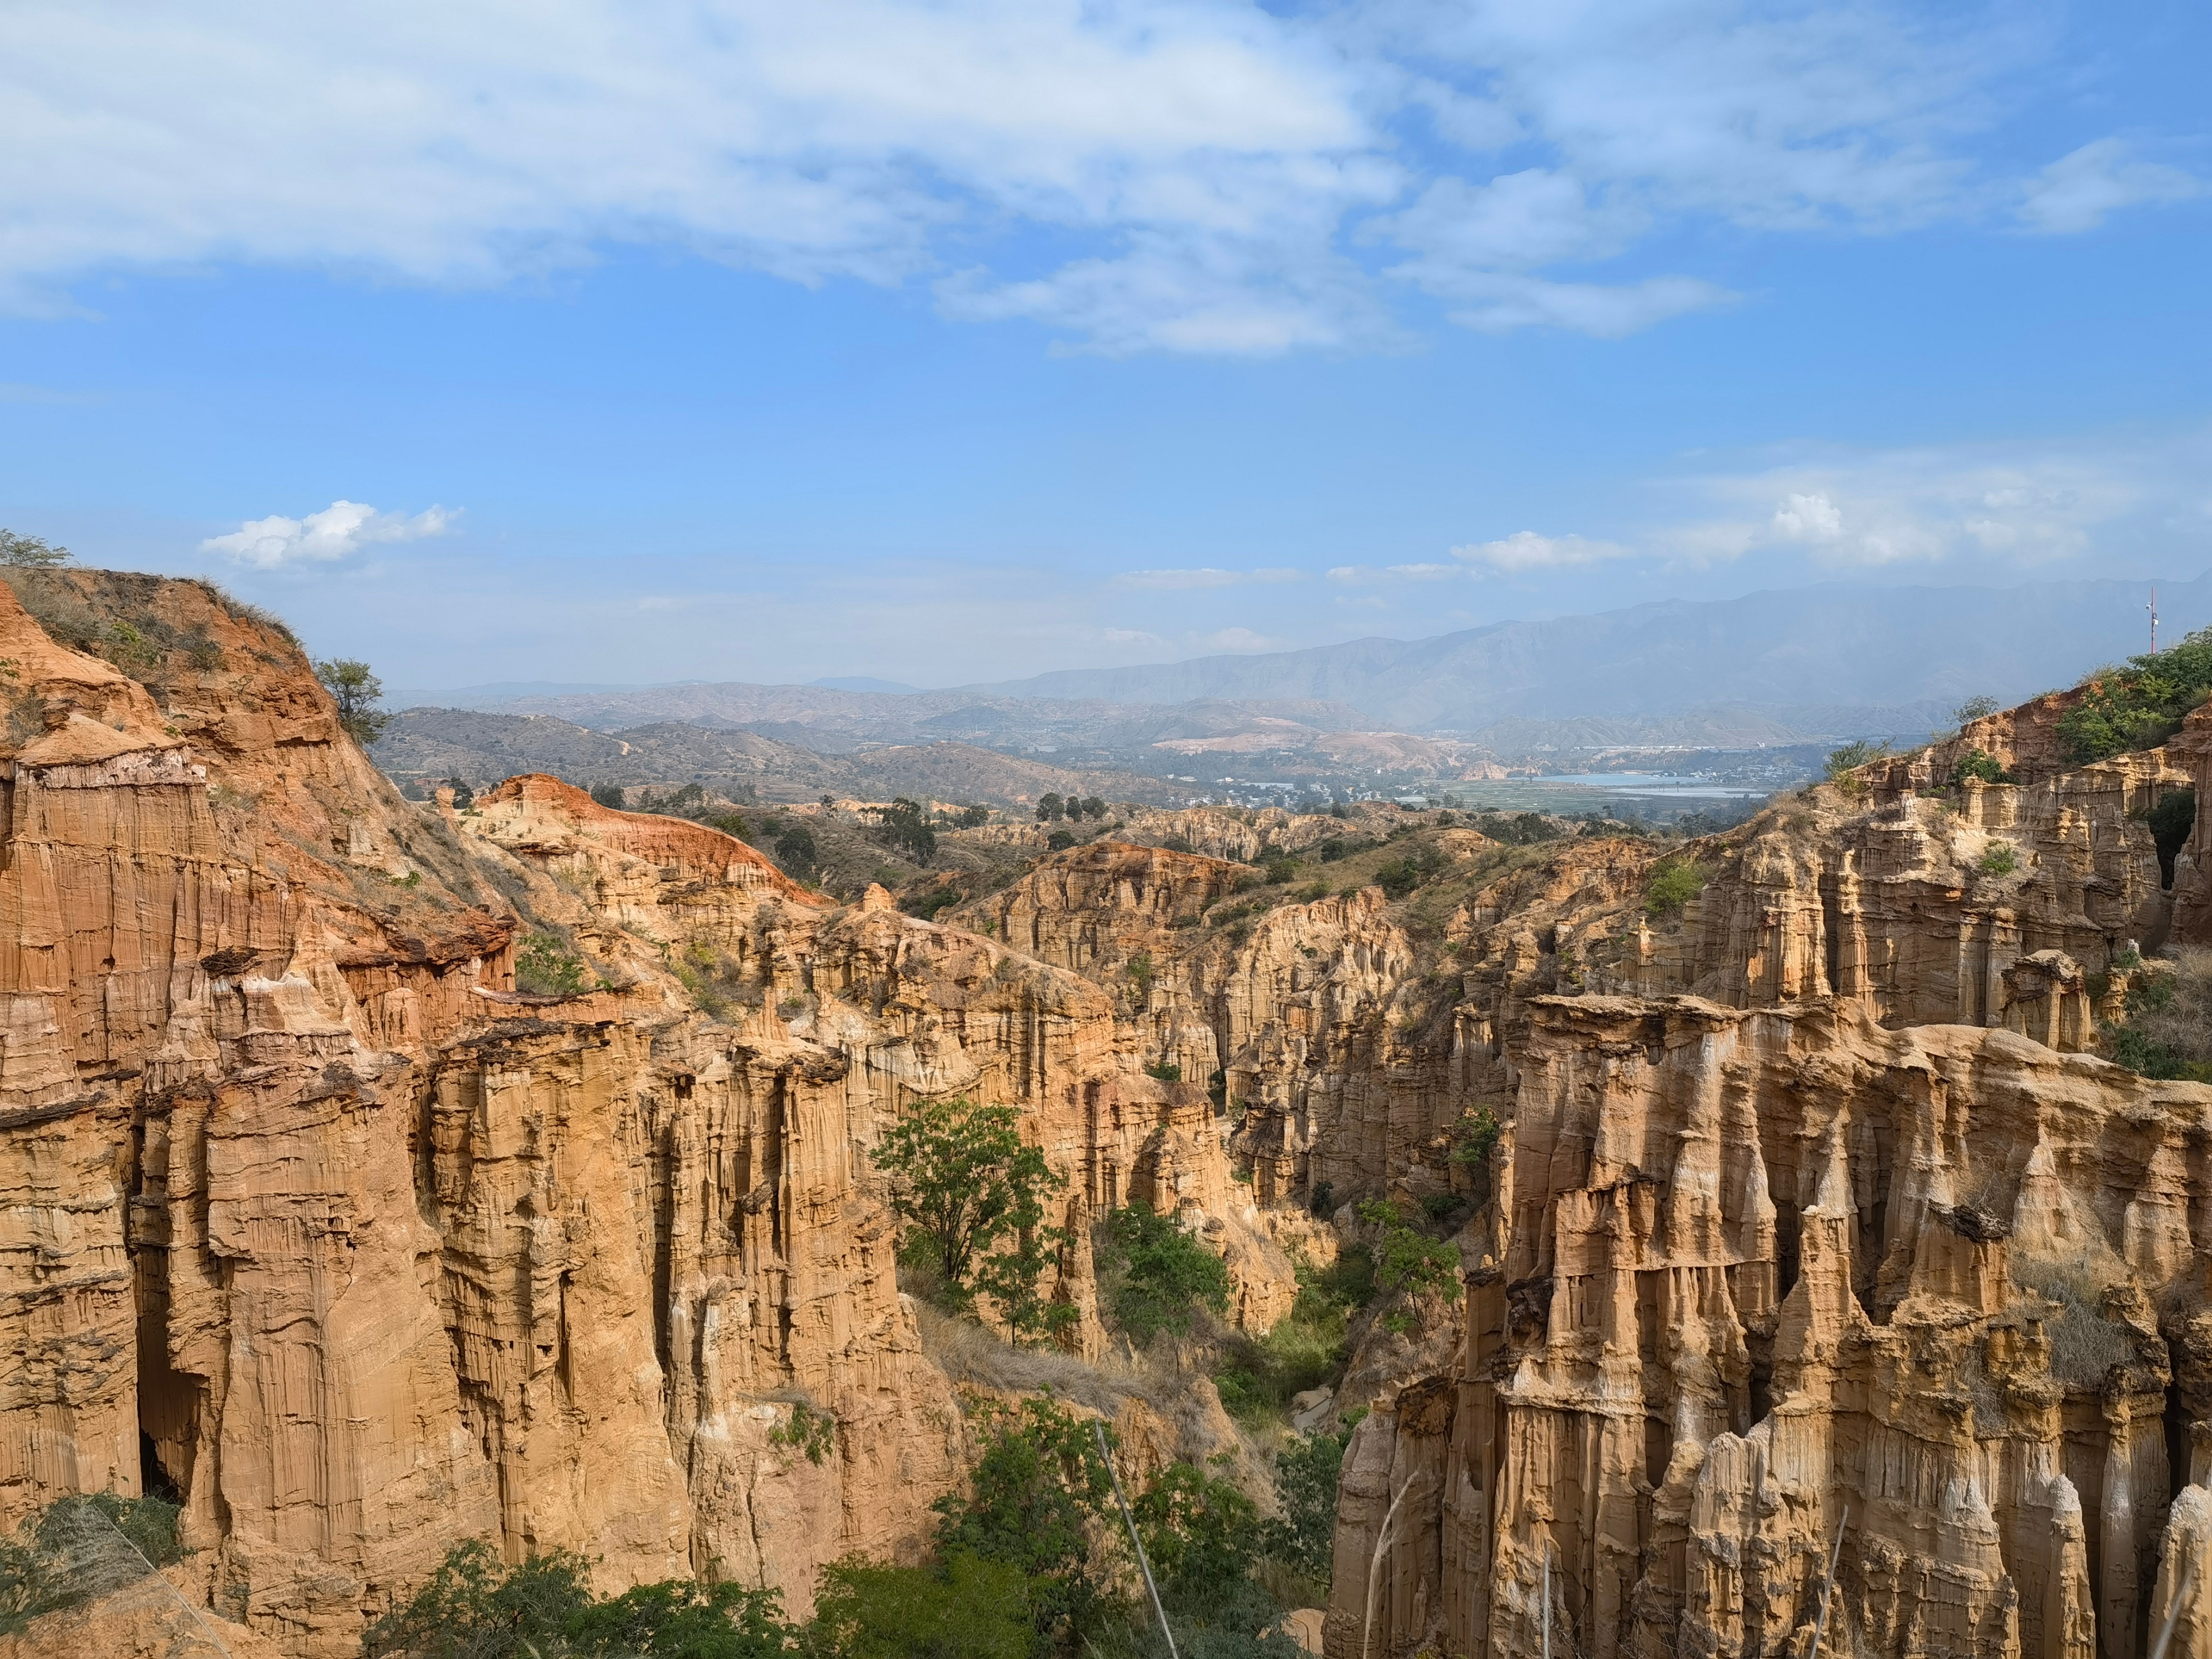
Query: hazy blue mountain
[[1831, 647], [862, 682]]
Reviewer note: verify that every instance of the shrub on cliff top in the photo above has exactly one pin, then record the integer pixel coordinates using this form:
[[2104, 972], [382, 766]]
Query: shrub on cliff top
[[2138, 706], [1672, 884]]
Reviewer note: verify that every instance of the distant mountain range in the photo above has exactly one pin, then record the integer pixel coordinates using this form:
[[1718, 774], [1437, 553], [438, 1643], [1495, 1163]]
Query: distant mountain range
[[1803, 665], [1811, 650]]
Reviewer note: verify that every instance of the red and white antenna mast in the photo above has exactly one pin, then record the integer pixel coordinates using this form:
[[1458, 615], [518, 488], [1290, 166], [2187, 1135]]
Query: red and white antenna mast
[[2152, 608]]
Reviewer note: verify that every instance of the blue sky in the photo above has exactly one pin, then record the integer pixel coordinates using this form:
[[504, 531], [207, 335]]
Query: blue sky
[[975, 338]]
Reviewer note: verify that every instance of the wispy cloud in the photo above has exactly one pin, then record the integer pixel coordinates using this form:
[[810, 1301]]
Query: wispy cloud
[[2077, 191], [1524, 549], [340, 529], [1212, 177], [1205, 576]]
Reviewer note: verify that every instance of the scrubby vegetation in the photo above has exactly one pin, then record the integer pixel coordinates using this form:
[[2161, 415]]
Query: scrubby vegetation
[[1258, 1378], [32, 551], [81, 1547], [1986, 768], [2168, 1034], [546, 967], [1674, 881], [2139, 705], [1409, 1258], [1521, 829]]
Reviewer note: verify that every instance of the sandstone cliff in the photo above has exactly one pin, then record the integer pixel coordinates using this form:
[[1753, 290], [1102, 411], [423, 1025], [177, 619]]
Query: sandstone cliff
[[1810, 1195], [318, 1223]]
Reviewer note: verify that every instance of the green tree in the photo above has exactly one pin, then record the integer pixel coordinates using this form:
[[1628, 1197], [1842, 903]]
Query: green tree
[[608, 795], [969, 1193], [1974, 708], [1199, 1533], [358, 692], [1408, 1259], [904, 824], [964, 1608], [1038, 1501], [477, 1607], [680, 1619], [1050, 807], [1093, 807], [31, 550], [1308, 1470], [794, 846], [1167, 1274], [1974, 763]]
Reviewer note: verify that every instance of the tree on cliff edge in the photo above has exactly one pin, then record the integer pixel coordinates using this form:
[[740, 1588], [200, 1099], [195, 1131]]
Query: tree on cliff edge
[[358, 692], [31, 550]]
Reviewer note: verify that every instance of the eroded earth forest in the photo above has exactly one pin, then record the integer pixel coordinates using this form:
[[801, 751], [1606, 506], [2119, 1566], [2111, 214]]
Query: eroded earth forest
[[1719, 1207]]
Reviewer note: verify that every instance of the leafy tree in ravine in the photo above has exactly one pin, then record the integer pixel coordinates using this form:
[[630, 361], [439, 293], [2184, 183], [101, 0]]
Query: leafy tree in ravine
[[1040, 1499], [357, 691], [1165, 1275], [969, 1193]]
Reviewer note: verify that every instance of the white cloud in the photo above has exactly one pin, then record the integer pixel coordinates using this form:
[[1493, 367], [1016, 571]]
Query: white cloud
[[1423, 571], [1807, 518], [1133, 636], [339, 529], [1524, 549], [1232, 639], [1206, 576], [2076, 192], [2021, 506], [1197, 166]]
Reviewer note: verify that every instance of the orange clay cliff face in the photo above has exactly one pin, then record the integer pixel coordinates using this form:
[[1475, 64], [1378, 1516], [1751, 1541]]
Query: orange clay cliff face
[[1811, 1205]]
